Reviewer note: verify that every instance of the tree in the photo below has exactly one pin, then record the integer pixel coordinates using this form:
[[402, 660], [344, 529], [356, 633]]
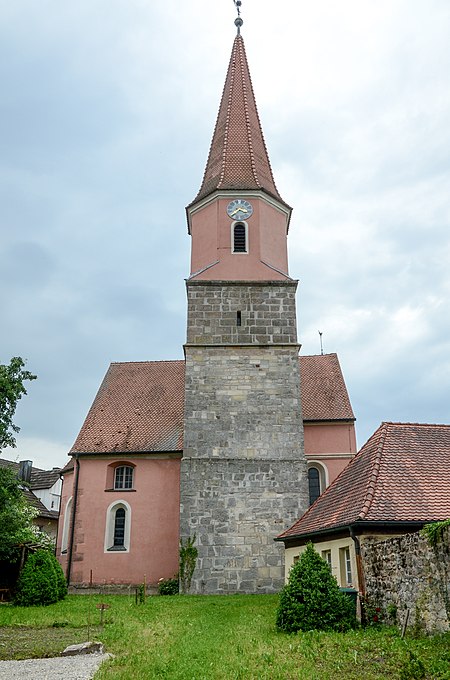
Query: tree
[[12, 378], [41, 581], [311, 600], [16, 516]]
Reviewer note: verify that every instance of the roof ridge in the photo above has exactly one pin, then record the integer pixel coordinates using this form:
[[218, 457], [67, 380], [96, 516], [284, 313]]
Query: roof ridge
[[371, 484]]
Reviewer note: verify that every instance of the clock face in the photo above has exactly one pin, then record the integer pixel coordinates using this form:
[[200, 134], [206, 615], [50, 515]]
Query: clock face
[[239, 209]]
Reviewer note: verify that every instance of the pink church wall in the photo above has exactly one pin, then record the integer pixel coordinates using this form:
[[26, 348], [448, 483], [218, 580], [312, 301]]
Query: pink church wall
[[331, 444], [154, 537], [212, 239]]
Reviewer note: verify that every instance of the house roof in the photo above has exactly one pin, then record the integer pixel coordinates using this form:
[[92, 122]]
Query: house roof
[[401, 474], [40, 507], [238, 158], [40, 479], [140, 405]]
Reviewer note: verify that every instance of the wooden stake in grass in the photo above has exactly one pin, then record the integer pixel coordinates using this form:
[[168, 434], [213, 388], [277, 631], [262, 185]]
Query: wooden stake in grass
[[102, 606]]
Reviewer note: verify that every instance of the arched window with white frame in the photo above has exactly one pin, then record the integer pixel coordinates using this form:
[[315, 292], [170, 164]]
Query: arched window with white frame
[[66, 526], [118, 527]]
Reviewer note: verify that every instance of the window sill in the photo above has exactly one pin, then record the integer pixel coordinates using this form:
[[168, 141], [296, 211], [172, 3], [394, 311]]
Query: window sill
[[117, 548], [121, 490]]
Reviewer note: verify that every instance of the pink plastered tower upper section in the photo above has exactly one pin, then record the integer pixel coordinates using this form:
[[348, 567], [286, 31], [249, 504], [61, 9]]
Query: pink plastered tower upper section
[[212, 256]]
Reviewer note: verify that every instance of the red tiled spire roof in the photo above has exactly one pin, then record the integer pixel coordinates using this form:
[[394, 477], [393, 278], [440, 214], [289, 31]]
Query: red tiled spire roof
[[140, 405], [238, 158], [401, 474]]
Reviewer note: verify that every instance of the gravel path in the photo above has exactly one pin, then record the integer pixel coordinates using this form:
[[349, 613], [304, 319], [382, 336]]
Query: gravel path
[[80, 667]]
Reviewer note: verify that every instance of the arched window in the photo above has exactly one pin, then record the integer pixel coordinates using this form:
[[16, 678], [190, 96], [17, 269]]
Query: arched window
[[66, 526], [314, 484], [239, 238], [118, 527], [123, 477], [317, 480]]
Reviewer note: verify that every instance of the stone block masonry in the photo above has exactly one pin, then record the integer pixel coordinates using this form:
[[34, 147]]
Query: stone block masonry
[[243, 473], [407, 574]]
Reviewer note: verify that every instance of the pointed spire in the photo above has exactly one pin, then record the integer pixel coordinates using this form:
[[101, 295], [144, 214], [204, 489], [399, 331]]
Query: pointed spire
[[238, 158]]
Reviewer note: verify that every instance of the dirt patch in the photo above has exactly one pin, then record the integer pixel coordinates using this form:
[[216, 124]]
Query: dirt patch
[[24, 642]]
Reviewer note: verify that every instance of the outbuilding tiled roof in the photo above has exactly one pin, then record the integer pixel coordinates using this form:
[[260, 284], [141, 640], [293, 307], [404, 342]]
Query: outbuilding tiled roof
[[238, 158], [402, 474], [140, 405]]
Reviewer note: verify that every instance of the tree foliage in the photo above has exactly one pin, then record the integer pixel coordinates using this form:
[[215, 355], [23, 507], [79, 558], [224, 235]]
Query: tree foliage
[[16, 516], [188, 560], [12, 378], [311, 600], [41, 581]]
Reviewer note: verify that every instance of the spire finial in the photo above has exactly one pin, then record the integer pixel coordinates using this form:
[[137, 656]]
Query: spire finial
[[238, 21]]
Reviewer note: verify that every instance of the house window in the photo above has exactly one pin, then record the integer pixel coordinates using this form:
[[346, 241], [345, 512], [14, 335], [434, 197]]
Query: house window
[[326, 555], [346, 567], [118, 527], [239, 238], [123, 477], [314, 484]]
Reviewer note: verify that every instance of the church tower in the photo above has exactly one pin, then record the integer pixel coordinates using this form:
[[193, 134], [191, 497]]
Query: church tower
[[243, 472]]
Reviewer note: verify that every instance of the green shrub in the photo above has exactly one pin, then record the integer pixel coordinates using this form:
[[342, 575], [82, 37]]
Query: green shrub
[[41, 581], [311, 600], [169, 586]]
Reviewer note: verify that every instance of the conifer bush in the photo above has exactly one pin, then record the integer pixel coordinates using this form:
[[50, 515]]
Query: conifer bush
[[41, 580], [311, 600]]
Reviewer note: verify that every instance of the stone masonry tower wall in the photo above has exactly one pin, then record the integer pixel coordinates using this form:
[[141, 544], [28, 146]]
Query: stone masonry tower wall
[[243, 473]]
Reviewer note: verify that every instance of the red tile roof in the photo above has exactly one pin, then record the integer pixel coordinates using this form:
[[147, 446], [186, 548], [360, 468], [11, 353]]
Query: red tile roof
[[324, 395], [402, 474], [140, 406], [238, 158]]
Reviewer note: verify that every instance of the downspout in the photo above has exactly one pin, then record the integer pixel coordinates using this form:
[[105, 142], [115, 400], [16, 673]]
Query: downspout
[[360, 572], [72, 523], [359, 566]]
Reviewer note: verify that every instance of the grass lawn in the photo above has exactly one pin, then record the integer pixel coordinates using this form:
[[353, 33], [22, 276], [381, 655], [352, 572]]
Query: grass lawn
[[220, 637]]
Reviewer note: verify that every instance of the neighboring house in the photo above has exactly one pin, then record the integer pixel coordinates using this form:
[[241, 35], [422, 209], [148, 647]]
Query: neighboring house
[[128, 457], [398, 481], [42, 489]]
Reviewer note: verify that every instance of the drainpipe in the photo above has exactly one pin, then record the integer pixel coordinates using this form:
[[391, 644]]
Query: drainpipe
[[359, 566], [72, 523]]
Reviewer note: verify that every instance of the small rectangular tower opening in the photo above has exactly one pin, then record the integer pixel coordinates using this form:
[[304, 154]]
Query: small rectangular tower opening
[[238, 319]]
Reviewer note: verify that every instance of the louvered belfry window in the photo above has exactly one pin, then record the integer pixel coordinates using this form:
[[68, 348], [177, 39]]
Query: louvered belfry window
[[239, 238]]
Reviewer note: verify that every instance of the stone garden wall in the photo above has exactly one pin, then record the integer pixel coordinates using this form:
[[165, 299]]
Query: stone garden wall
[[407, 574]]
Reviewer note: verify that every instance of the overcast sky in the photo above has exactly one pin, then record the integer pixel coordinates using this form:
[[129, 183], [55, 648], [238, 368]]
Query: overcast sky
[[107, 109]]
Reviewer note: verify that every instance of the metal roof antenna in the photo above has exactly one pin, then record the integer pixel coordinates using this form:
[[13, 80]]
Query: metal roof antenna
[[321, 345], [238, 21]]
